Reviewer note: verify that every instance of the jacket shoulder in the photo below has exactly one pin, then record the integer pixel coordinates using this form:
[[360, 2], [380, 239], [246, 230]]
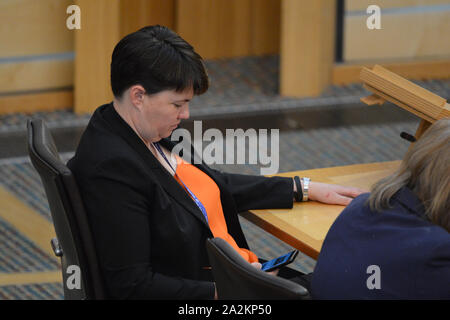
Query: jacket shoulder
[[101, 149]]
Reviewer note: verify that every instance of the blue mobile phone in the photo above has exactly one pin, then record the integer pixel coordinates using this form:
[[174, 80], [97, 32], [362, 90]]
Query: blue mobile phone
[[280, 261]]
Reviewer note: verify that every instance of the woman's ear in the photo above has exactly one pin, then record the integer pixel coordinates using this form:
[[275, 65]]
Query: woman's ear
[[137, 93]]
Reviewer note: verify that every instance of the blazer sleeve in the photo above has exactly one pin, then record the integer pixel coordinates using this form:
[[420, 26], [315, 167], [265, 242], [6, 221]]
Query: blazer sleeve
[[252, 192], [118, 213]]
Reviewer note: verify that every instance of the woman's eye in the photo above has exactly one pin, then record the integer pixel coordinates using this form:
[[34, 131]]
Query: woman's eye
[[177, 105]]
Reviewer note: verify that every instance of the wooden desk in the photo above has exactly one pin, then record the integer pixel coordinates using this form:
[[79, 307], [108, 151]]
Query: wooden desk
[[305, 226]]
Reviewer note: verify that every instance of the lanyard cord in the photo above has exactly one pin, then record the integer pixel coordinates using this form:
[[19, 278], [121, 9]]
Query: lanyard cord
[[196, 200]]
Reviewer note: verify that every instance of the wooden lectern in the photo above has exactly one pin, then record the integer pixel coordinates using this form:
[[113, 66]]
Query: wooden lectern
[[388, 86]]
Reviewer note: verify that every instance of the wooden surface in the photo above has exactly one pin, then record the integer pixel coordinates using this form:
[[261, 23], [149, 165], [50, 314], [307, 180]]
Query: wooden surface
[[42, 75], [398, 103], [30, 27], [306, 225], [307, 46], [345, 73], [353, 5], [94, 44], [265, 27], [408, 35], [229, 28], [404, 90], [136, 14], [215, 28], [391, 87], [35, 59], [42, 101]]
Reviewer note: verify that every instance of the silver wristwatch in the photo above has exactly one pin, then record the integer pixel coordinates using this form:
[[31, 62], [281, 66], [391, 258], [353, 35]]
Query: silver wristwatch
[[305, 188]]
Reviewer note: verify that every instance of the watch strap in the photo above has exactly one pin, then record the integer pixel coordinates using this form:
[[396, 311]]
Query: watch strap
[[298, 195]]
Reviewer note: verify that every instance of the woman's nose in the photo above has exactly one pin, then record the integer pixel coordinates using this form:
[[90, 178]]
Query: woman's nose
[[184, 113]]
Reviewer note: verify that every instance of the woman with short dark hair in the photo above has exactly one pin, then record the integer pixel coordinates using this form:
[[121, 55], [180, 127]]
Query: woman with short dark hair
[[150, 210]]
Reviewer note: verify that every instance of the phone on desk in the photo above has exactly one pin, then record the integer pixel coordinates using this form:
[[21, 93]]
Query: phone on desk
[[280, 261]]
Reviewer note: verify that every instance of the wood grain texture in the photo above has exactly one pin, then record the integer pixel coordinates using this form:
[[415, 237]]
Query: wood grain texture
[[402, 36], [136, 14], [35, 75], [361, 5], [35, 102], [307, 46], [417, 69], [229, 28], [30, 27], [404, 93], [94, 45]]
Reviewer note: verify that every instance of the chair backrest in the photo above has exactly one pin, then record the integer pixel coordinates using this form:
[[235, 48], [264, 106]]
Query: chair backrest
[[76, 246], [237, 279]]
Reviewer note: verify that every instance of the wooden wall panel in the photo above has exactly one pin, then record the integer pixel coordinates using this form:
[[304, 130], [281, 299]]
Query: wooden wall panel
[[307, 46], [35, 55], [361, 5], [35, 75], [30, 27], [229, 28], [344, 74], [402, 36], [216, 29], [41, 101], [136, 14], [265, 27], [94, 44]]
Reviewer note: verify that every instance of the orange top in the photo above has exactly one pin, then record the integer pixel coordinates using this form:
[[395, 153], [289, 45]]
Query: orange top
[[207, 191]]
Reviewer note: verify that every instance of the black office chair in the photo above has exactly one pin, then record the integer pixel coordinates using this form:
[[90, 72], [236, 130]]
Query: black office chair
[[236, 279], [74, 244]]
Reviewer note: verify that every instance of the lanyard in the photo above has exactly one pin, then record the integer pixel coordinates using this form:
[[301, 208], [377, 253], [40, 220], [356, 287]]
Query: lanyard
[[196, 200]]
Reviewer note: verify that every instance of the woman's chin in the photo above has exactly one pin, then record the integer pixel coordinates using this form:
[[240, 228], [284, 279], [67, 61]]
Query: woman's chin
[[168, 134]]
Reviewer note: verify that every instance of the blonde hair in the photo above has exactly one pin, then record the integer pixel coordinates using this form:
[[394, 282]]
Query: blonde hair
[[425, 170]]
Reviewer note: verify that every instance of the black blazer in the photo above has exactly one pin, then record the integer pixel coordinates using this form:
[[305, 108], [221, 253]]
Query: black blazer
[[149, 234]]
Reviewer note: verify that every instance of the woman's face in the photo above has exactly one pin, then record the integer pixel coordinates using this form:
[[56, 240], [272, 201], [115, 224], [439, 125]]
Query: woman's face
[[161, 113]]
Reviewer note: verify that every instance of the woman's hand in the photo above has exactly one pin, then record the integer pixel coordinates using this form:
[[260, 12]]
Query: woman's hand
[[258, 265], [332, 194]]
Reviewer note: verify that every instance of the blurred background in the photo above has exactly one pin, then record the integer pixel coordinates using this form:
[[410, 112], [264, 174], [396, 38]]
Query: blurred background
[[291, 65]]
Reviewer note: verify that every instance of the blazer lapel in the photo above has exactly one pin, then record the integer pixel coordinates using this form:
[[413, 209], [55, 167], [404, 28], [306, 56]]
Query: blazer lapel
[[169, 144], [174, 189], [228, 206], [164, 178]]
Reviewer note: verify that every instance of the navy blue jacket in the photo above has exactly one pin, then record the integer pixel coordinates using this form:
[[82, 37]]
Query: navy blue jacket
[[412, 254]]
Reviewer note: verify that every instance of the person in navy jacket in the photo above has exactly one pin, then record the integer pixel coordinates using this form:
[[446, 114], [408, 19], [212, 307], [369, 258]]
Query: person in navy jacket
[[394, 243]]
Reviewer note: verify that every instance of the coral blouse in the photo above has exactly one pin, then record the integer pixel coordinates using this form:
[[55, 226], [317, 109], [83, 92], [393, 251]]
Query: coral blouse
[[207, 191]]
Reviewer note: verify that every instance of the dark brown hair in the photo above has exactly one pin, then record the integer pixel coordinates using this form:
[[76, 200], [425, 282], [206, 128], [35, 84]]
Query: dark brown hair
[[158, 59]]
